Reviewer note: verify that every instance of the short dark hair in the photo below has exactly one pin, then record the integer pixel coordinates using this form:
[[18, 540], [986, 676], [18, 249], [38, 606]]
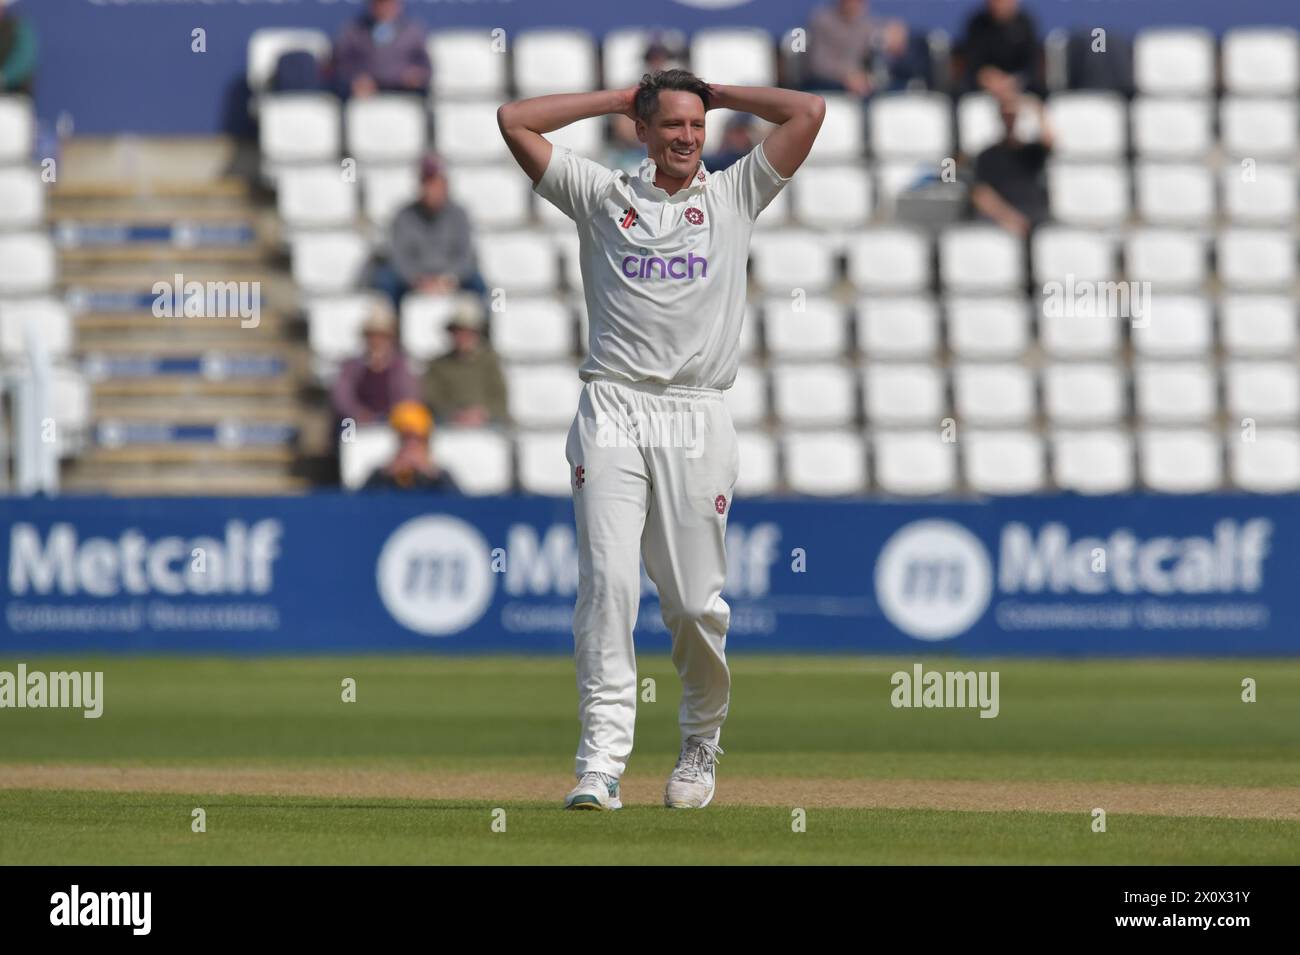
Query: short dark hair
[[647, 94]]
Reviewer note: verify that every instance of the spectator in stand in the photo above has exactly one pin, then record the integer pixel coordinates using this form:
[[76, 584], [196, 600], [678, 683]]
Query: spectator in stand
[[664, 52], [381, 50], [17, 52], [413, 467], [738, 138], [849, 52], [1001, 51], [1010, 187], [369, 386], [465, 386], [431, 248]]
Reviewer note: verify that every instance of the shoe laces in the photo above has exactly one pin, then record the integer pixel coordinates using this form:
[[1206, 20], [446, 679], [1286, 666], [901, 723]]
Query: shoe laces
[[604, 779], [698, 758]]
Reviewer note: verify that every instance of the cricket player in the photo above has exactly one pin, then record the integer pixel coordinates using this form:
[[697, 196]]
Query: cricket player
[[652, 450]]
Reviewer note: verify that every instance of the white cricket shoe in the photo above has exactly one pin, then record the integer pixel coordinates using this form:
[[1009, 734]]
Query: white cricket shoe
[[598, 791], [693, 780]]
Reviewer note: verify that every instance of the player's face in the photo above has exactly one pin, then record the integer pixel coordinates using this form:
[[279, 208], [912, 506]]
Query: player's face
[[674, 136]]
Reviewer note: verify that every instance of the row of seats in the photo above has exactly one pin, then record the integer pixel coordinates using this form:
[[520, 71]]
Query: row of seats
[[473, 62], [913, 126], [837, 462], [830, 197]]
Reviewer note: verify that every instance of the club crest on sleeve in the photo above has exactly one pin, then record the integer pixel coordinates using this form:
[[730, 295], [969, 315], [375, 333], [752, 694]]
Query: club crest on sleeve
[[720, 503], [579, 477], [695, 216]]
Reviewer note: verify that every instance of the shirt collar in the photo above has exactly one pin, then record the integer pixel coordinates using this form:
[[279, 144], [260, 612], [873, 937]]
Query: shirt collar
[[646, 173]]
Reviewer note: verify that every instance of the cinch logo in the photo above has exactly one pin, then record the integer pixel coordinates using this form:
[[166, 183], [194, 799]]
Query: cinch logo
[[677, 267]]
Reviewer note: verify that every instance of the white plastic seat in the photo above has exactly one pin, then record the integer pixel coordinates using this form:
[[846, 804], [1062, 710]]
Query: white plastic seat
[[825, 463], [759, 470], [1175, 392], [1180, 460], [1093, 461], [1267, 198], [747, 397], [894, 177], [554, 61], [842, 137], [993, 394], [1179, 326], [17, 128], [979, 123], [532, 328], [734, 56], [889, 260], [1174, 62], [22, 197], [465, 63], [334, 324], [478, 459], [1088, 194], [466, 131], [494, 197], [1171, 127], [1004, 462], [518, 262], [1167, 258], [424, 324], [898, 327], [1088, 125], [791, 259], [833, 197], [988, 326], [899, 394], [747, 346], [1060, 251], [1270, 464], [570, 248], [914, 462], [543, 466], [910, 126], [819, 330], [1256, 259], [47, 317], [1078, 329], [542, 396], [316, 197], [776, 214], [1261, 61], [299, 127], [1257, 324], [1079, 393], [267, 44], [385, 128], [369, 448], [1259, 128], [1262, 390], [815, 394], [386, 190], [623, 53], [585, 137], [1176, 194], [324, 262], [980, 258], [28, 263]]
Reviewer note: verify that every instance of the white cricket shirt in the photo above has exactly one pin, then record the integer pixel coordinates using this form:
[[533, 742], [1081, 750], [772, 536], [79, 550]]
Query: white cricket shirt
[[664, 276]]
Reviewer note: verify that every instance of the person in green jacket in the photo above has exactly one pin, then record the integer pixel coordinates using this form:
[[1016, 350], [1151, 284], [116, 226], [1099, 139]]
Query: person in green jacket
[[466, 387], [17, 53]]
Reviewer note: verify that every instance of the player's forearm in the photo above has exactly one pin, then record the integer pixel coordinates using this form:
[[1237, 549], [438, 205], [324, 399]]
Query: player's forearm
[[545, 114], [770, 103]]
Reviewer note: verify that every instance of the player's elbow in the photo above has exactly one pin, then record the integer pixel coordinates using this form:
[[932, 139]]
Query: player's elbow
[[816, 108]]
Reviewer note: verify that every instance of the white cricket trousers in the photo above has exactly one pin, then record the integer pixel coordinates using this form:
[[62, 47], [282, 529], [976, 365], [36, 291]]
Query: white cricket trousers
[[652, 469]]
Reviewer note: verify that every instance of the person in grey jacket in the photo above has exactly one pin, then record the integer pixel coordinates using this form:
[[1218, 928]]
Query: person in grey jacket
[[431, 247], [382, 50]]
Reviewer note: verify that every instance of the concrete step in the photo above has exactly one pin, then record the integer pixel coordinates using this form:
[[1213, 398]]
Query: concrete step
[[122, 460], [178, 389], [187, 483]]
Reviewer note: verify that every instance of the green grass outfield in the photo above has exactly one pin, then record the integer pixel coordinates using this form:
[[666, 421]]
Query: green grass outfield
[[795, 722]]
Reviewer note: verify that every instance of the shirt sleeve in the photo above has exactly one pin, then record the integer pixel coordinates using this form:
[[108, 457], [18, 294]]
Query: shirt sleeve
[[750, 183], [573, 183]]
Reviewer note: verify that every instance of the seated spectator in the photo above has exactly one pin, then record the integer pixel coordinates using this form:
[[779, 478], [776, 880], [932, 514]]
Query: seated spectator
[[17, 52], [1010, 187], [431, 247], [840, 38], [1001, 51], [466, 386], [738, 138], [413, 467], [899, 60], [369, 386], [625, 152], [381, 50], [664, 53]]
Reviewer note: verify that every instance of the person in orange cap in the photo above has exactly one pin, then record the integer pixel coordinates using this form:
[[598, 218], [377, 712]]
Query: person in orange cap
[[413, 467]]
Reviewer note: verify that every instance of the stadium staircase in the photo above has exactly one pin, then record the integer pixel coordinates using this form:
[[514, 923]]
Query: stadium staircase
[[179, 404]]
